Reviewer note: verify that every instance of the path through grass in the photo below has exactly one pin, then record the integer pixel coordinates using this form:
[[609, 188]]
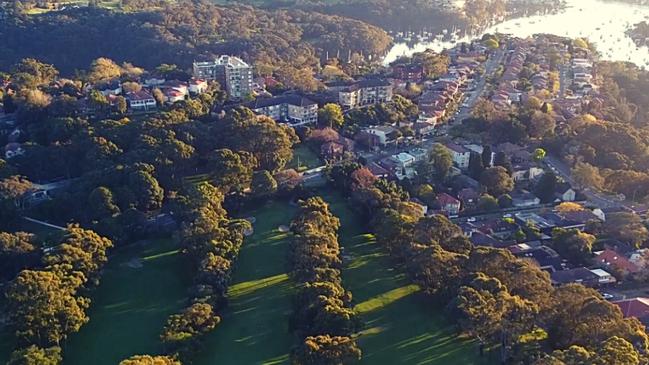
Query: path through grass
[[399, 326], [254, 328]]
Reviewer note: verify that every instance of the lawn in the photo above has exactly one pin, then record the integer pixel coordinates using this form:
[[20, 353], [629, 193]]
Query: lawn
[[254, 328], [400, 327], [305, 158], [131, 305], [7, 344]]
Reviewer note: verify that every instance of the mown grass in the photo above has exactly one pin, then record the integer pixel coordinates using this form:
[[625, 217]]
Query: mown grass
[[254, 328], [304, 158], [131, 305], [400, 326]]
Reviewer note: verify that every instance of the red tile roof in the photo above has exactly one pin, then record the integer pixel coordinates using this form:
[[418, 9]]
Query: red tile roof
[[444, 199], [612, 258], [635, 307]]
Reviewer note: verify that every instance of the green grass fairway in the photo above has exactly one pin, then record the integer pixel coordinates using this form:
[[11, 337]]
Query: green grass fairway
[[7, 344], [305, 157], [254, 328], [131, 305], [400, 327]]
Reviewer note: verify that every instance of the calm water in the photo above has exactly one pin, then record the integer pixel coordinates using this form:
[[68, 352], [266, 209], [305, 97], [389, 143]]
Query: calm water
[[604, 23]]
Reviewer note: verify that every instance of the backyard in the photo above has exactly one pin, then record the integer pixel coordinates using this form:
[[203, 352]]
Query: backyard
[[304, 158]]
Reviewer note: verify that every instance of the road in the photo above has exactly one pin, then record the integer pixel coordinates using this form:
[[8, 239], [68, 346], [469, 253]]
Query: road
[[490, 67], [563, 80], [597, 199]]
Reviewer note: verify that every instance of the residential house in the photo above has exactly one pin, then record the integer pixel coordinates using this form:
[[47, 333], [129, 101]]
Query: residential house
[[565, 193], [197, 86], [448, 204], [603, 277], [400, 165], [378, 171], [460, 155], [635, 307], [295, 110], [420, 154], [113, 87], [579, 275], [173, 95], [483, 239], [376, 136], [526, 171], [610, 259], [424, 127], [154, 80], [545, 257], [469, 197], [231, 72], [408, 72], [365, 92], [524, 199], [141, 100]]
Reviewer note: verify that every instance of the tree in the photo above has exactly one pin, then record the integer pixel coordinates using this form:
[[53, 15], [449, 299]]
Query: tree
[[30, 73], [573, 244], [103, 69], [326, 350], [147, 190], [627, 227], [581, 43], [121, 105], [487, 156], [438, 164], [79, 250], [487, 203], [496, 181], [97, 100], [617, 350], [14, 188], [501, 159], [101, 203], [539, 154], [541, 124], [426, 193], [150, 360], [269, 142], [587, 176], [34, 355], [475, 165], [196, 320], [17, 250], [492, 43], [331, 115], [232, 171], [546, 187], [505, 201], [44, 308], [263, 184]]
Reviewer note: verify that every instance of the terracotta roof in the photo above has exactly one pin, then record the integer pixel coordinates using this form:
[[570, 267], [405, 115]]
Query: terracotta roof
[[612, 258], [636, 307], [445, 199]]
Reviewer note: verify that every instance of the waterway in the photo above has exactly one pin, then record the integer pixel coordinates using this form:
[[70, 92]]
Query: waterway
[[603, 22]]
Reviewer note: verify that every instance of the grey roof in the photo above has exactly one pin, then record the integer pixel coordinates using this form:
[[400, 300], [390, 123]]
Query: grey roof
[[291, 99]]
